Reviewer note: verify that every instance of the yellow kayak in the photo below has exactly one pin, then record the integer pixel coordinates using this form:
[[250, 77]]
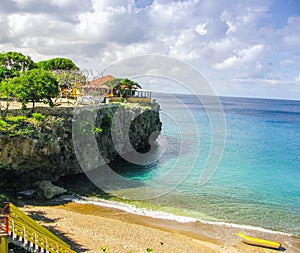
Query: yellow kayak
[[259, 242]]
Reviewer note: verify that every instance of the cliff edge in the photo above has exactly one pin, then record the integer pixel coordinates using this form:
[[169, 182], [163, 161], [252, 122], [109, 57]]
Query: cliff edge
[[46, 151]]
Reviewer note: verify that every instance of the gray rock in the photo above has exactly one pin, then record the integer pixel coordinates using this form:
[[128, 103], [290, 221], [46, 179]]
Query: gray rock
[[49, 152], [46, 190]]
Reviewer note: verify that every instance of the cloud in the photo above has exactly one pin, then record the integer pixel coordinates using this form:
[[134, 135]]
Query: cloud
[[64, 10], [201, 29], [297, 79], [292, 33], [241, 57], [224, 40]]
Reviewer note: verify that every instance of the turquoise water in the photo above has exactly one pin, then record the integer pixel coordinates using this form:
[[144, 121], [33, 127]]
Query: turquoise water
[[257, 180]]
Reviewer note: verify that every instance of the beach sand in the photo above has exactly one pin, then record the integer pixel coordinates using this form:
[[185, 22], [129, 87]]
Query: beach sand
[[88, 227]]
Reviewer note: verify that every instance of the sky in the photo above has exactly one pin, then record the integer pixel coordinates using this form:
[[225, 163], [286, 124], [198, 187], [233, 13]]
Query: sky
[[248, 48]]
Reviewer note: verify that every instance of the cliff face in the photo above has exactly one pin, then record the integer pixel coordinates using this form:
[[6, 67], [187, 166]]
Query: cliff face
[[49, 151]]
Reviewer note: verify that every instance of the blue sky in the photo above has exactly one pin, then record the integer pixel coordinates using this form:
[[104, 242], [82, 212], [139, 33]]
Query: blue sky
[[246, 48], [281, 10]]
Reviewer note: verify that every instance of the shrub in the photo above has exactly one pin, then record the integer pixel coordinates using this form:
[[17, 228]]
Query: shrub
[[38, 116]]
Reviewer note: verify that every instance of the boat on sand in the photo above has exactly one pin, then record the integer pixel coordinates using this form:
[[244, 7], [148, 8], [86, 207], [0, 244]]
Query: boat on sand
[[259, 242]]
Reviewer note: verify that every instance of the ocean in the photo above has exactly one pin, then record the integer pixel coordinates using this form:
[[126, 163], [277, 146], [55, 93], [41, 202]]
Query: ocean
[[233, 160]]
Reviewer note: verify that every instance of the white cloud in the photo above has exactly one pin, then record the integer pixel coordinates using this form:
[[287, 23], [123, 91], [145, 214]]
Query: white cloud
[[291, 33], [241, 57], [297, 79], [201, 29]]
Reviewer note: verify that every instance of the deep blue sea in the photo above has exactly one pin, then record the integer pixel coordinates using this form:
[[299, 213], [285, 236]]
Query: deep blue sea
[[253, 168]]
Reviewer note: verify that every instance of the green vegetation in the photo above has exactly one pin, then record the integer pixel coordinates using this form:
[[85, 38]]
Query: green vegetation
[[65, 71], [6, 92], [104, 249], [23, 80], [38, 116], [126, 107], [119, 100], [57, 63], [26, 81], [16, 119], [22, 125], [15, 125], [12, 64], [34, 85], [97, 129], [123, 86]]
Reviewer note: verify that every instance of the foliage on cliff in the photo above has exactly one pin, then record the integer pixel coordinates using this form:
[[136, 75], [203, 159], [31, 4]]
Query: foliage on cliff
[[42, 146], [32, 126], [23, 79]]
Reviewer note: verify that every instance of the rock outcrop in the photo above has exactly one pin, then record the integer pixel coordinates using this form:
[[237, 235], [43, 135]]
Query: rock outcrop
[[49, 152], [46, 190]]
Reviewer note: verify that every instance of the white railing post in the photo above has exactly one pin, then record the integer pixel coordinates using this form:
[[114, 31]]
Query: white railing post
[[13, 229], [47, 251], [24, 236], [36, 247]]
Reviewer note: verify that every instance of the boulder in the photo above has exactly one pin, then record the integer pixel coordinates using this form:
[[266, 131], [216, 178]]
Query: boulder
[[46, 190]]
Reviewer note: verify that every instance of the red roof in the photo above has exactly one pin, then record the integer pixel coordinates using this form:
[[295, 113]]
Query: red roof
[[101, 80]]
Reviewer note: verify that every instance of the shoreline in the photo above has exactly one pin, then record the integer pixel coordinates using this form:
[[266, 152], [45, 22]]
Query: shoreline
[[172, 217], [90, 226]]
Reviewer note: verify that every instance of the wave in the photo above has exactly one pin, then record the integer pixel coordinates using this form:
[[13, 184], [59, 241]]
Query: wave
[[165, 215], [134, 210]]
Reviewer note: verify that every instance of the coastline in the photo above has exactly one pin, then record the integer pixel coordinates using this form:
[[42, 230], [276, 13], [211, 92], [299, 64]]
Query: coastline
[[88, 227]]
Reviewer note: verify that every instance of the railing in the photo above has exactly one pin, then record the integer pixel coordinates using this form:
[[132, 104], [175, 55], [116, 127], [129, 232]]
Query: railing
[[4, 228], [24, 231]]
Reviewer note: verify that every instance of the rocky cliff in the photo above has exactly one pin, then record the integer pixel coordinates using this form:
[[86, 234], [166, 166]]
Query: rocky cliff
[[47, 151]]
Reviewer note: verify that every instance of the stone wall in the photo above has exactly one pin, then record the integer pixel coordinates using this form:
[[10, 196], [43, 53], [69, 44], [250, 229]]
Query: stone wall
[[51, 153]]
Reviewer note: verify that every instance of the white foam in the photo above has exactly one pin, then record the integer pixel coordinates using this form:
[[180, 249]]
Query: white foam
[[167, 216], [248, 227], [135, 210]]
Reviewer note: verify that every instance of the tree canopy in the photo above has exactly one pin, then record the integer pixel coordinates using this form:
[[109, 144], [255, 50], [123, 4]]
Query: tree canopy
[[123, 85], [34, 85], [13, 63], [57, 64]]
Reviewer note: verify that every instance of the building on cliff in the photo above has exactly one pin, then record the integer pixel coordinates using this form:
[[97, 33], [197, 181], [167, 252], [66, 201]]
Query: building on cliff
[[112, 89]]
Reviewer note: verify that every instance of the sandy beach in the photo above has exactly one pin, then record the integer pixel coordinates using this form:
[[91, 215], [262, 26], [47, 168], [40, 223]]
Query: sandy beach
[[88, 227]]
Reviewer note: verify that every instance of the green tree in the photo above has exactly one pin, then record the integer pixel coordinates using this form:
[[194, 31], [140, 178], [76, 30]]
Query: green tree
[[35, 85], [124, 86], [66, 72], [57, 63], [12, 64], [7, 95]]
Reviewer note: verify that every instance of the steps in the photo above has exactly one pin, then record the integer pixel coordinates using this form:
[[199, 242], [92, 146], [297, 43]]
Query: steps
[[23, 231]]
